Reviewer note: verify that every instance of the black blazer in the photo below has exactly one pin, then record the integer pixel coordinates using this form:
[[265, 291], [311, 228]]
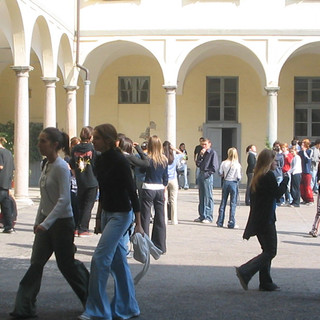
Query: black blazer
[[262, 201]]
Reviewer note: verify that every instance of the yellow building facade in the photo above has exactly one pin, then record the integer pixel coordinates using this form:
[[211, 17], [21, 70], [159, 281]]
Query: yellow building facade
[[239, 72]]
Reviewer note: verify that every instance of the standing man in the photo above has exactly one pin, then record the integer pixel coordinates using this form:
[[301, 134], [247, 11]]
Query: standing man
[[197, 149], [6, 176], [207, 162]]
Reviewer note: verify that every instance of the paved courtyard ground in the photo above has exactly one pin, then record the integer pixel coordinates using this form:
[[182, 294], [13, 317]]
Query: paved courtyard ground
[[195, 279]]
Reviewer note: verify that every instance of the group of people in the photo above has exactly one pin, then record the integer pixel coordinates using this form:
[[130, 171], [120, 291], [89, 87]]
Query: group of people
[[113, 172], [229, 170], [101, 161]]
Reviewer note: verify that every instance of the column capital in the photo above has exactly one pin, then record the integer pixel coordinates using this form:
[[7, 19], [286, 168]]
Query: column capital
[[272, 91], [19, 70], [169, 87], [71, 88], [50, 79]]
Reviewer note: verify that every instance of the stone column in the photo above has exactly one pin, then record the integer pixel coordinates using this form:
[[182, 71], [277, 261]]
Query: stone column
[[272, 113], [49, 118], [21, 134], [171, 125], [71, 119]]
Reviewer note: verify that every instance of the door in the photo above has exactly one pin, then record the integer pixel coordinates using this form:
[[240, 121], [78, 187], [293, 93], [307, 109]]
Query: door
[[222, 139]]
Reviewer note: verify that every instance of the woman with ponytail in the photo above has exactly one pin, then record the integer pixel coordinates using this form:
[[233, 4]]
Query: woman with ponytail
[[53, 228]]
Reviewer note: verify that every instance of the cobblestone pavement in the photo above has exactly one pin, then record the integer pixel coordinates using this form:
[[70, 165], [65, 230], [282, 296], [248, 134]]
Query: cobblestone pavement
[[195, 279]]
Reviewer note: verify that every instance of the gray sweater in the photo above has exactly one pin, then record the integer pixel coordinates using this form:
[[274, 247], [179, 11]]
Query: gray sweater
[[55, 193]]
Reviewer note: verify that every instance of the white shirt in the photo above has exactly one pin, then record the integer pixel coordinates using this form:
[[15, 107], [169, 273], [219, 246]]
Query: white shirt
[[230, 171]]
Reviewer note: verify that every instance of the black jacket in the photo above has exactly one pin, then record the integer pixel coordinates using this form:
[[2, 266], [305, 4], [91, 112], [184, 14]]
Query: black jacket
[[116, 185], [262, 204]]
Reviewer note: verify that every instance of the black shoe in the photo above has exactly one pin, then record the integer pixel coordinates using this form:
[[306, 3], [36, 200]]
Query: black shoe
[[269, 287], [243, 281], [8, 230]]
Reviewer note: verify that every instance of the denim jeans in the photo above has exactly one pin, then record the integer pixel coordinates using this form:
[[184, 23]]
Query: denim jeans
[[110, 257], [206, 202], [185, 175], [314, 184], [229, 187]]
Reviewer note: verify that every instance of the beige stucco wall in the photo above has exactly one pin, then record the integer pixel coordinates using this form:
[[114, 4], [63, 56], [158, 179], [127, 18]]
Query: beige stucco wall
[[129, 119], [191, 107], [306, 65]]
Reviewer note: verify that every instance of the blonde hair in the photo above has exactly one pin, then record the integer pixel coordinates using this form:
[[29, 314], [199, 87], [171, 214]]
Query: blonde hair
[[233, 155], [155, 152], [263, 165]]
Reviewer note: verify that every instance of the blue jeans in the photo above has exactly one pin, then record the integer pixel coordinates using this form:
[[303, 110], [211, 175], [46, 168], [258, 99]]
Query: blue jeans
[[206, 202], [229, 187], [110, 257]]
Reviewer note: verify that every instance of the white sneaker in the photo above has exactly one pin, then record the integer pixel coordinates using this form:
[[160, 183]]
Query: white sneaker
[[197, 220], [83, 317], [205, 221]]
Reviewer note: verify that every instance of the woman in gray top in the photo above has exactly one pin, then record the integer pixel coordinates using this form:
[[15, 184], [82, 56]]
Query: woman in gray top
[[53, 228]]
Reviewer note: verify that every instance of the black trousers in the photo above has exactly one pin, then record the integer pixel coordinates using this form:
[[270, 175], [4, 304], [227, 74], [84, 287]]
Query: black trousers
[[154, 198], [295, 188], [6, 209], [85, 200], [58, 239], [262, 262]]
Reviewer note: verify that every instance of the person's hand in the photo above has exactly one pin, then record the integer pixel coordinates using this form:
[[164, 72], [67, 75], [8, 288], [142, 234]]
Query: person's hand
[[135, 144], [138, 229], [38, 229], [203, 151]]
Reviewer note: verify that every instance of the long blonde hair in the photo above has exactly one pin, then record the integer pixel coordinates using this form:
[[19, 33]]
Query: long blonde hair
[[155, 152], [263, 165], [233, 155]]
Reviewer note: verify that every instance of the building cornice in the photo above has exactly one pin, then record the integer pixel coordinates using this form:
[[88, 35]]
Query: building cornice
[[202, 32]]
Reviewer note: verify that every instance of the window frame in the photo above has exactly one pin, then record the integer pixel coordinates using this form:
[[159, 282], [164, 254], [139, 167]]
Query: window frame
[[309, 106], [222, 93], [134, 90]]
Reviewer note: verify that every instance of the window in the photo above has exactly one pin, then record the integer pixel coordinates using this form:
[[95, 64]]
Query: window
[[134, 90], [222, 98], [307, 107]]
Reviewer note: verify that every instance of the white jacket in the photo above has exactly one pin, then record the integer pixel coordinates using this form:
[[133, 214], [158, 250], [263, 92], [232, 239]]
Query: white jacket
[[142, 248]]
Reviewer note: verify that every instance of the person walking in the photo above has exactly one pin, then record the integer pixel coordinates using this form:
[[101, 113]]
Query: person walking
[[230, 170], [83, 157], [251, 150], [152, 193], [6, 176], [53, 228], [117, 197], [208, 164], [265, 191]]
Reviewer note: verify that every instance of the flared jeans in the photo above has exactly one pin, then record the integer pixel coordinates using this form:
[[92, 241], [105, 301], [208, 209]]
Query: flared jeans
[[110, 257]]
